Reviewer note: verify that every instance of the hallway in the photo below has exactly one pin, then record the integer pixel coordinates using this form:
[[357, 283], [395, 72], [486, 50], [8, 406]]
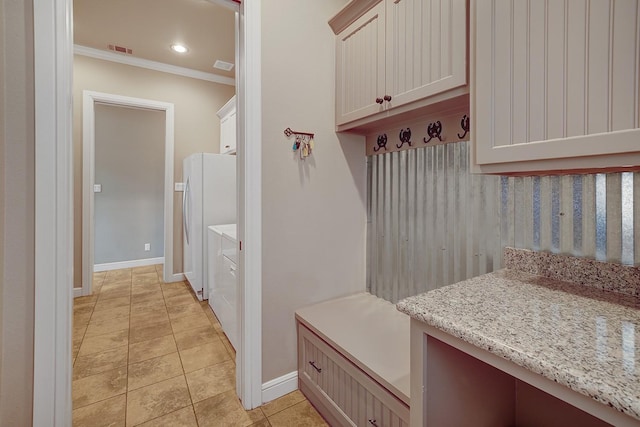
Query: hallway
[[149, 353]]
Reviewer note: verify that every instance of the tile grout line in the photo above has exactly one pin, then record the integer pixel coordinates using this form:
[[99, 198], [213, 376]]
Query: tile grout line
[[126, 391], [84, 334], [178, 351], [184, 374], [172, 412], [82, 342], [173, 334]]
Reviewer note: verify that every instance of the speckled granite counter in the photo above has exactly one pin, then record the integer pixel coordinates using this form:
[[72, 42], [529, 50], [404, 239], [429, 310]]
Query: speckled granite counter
[[582, 337]]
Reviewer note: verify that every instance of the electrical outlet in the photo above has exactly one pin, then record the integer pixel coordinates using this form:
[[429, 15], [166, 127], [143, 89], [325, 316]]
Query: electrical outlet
[[147, 246]]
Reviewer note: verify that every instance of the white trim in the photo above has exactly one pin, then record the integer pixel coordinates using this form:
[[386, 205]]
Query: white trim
[[227, 108], [77, 292], [278, 387], [89, 99], [229, 4], [178, 277], [151, 65], [249, 103], [108, 266], [53, 212]]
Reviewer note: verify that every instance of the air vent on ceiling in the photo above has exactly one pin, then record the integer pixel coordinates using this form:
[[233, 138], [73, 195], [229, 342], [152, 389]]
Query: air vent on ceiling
[[120, 49], [222, 65]]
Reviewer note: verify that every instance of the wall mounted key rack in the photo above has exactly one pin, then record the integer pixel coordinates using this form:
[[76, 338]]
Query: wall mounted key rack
[[303, 142]]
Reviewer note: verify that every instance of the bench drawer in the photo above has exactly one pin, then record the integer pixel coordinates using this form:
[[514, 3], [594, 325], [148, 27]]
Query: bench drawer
[[350, 395]]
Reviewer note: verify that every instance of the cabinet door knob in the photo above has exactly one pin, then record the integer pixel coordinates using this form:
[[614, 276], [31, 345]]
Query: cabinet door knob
[[373, 423], [387, 98], [379, 100]]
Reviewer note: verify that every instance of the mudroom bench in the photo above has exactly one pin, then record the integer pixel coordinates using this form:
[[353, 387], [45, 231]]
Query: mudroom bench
[[353, 361]]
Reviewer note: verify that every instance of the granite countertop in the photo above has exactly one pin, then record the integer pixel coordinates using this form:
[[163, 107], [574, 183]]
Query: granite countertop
[[585, 338]]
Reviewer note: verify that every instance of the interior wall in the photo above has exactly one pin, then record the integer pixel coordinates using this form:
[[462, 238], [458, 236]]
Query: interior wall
[[197, 128], [18, 199], [3, 72], [314, 215], [129, 166]]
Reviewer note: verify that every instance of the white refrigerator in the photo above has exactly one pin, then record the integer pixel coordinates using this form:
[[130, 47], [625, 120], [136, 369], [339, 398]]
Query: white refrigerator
[[209, 198]]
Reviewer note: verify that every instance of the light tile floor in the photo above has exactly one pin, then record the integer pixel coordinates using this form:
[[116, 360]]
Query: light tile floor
[[148, 353]]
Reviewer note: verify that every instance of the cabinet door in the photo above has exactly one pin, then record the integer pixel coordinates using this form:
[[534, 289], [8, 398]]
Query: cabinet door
[[426, 48], [228, 134], [360, 67], [555, 84]]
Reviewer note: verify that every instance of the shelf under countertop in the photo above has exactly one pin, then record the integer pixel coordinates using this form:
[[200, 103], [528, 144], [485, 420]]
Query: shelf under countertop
[[585, 338]]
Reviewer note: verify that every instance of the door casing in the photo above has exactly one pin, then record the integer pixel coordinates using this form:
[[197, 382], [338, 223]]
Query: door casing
[[89, 100]]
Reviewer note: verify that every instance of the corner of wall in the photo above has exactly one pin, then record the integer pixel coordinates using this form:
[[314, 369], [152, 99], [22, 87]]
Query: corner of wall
[[17, 219], [315, 227], [2, 168]]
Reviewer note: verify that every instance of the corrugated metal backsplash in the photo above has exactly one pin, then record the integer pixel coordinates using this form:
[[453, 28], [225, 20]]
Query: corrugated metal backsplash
[[432, 223]]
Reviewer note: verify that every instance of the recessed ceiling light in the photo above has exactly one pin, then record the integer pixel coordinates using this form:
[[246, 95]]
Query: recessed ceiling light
[[222, 65], [179, 48]]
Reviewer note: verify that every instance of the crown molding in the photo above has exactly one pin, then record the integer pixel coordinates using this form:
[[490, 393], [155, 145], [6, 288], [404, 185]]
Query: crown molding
[[151, 65], [227, 108], [348, 14]]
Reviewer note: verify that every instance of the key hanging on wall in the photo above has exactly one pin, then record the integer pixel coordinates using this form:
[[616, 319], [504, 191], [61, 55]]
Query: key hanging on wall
[[303, 142]]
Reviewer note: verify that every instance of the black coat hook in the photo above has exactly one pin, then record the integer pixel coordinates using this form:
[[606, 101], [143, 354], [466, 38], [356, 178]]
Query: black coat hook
[[382, 142], [434, 130], [405, 137], [464, 124]]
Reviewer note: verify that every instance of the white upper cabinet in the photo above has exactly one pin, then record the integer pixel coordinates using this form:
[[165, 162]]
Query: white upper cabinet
[[426, 48], [360, 78], [555, 85], [398, 56], [227, 115]]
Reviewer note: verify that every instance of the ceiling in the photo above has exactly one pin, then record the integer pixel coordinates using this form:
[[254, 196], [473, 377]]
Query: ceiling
[[150, 27]]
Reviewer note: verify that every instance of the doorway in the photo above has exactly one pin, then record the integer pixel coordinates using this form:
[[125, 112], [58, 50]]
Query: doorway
[[53, 46], [128, 194], [129, 231]]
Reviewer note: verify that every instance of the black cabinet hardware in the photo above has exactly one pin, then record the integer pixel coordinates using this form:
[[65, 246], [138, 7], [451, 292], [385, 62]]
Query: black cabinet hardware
[[315, 367]]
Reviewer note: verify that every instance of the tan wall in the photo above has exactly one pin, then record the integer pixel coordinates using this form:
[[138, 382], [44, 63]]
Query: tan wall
[[2, 109], [314, 211], [197, 128], [3, 72], [18, 199]]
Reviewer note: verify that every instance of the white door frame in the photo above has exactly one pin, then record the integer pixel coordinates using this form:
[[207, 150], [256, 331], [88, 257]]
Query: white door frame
[[249, 152], [53, 61], [89, 100], [53, 46]]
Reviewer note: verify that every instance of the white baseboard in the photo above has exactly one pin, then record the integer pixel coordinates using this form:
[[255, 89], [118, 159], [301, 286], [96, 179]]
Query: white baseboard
[[280, 386], [174, 278], [127, 264], [77, 292]]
